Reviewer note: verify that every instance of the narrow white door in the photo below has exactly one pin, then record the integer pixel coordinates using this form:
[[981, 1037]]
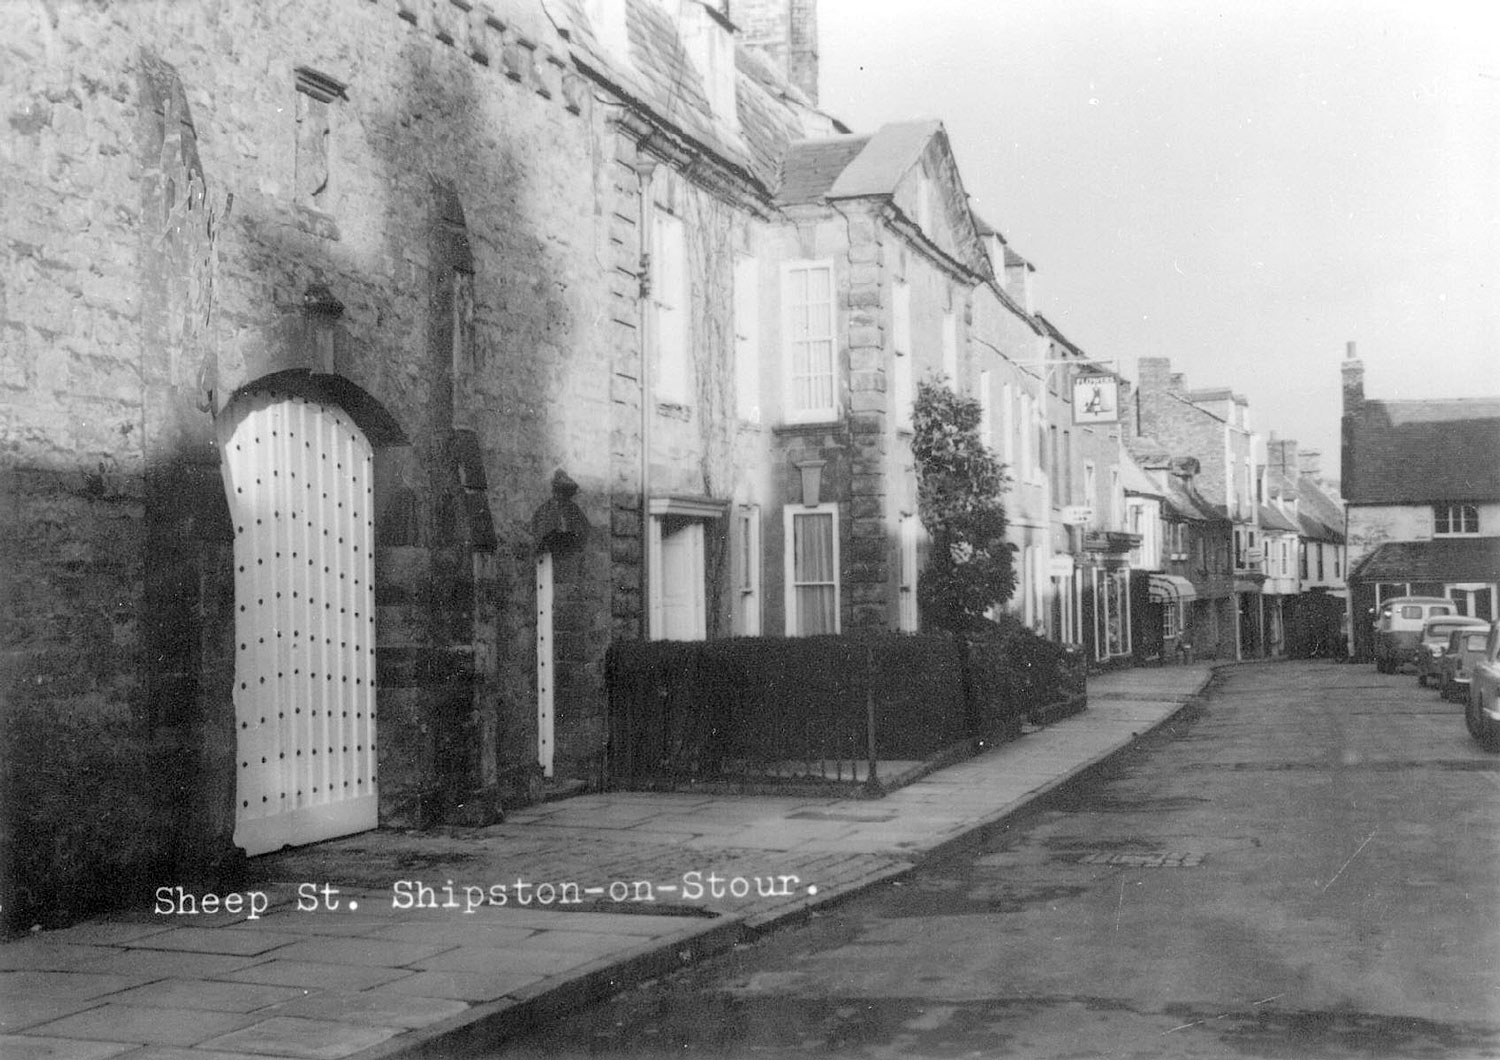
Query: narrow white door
[[298, 475], [544, 660], [682, 583]]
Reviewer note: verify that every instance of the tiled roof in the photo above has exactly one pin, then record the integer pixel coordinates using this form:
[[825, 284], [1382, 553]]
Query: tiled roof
[[1321, 515], [886, 158], [1186, 504], [1271, 519], [661, 76], [1413, 452], [809, 168], [1458, 559], [1134, 480]]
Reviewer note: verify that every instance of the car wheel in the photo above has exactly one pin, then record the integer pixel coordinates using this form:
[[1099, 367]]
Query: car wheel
[[1480, 726]]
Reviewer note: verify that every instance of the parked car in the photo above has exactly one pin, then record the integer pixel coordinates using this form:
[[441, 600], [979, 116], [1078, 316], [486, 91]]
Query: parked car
[[1464, 647], [1398, 629], [1435, 634], [1483, 711]]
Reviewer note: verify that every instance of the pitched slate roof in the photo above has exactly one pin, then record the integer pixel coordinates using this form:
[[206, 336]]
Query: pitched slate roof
[[1135, 480], [1271, 519], [1457, 559], [890, 153], [662, 78], [1414, 452], [1185, 503], [810, 168], [1322, 516]]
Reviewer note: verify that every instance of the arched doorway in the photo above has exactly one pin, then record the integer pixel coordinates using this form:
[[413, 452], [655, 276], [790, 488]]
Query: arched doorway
[[298, 472]]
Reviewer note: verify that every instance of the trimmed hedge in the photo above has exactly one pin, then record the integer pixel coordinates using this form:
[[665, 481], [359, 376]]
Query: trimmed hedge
[[88, 817], [701, 710]]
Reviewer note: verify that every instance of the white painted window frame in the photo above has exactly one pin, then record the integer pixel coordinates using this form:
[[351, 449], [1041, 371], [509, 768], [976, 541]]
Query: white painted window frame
[[789, 515], [670, 308], [1450, 509], [823, 414], [903, 370], [747, 337], [908, 617], [747, 581]]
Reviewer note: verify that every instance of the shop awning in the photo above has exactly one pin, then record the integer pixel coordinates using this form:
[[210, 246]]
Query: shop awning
[[1167, 588]]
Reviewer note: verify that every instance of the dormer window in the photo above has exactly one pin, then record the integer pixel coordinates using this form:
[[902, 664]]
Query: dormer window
[[1452, 520], [709, 39]]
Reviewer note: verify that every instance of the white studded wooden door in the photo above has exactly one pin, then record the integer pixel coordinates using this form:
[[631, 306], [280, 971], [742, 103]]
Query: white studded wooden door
[[299, 480]]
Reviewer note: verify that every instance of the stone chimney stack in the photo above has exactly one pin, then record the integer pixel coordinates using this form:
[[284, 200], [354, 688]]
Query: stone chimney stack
[[1155, 374], [1311, 463], [786, 31], [1354, 382], [1354, 404], [1281, 454]]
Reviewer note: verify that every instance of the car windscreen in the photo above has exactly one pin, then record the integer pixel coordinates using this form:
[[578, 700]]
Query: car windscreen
[[1475, 641]]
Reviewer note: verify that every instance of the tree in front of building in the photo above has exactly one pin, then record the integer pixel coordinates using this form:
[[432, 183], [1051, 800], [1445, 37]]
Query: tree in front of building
[[970, 568]]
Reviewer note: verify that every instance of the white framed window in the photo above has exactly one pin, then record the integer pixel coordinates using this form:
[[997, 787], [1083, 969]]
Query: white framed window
[[812, 569], [907, 618], [903, 382], [1008, 407], [810, 360], [1023, 428], [669, 308], [1453, 520], [950, 349], [747, 570], [747, 337], [986, 411]]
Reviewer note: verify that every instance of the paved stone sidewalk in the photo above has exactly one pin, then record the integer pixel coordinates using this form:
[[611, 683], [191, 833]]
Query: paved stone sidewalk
[[348, 957]]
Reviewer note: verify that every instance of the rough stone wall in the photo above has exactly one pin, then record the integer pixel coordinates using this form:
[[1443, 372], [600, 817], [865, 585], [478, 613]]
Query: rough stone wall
[[161, 248]]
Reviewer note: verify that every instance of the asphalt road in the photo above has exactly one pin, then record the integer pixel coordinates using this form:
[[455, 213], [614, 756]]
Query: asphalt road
[[1305, 866]]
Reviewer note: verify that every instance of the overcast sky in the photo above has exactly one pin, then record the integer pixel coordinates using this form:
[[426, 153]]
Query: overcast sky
[[1242, 187]]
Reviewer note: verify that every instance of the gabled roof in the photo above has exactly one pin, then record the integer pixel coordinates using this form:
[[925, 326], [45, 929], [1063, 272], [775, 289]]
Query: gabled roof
[[1321, 516], [1271, 519], [1416, 452], [828, 169], [1184, 502], [810, 168], [1136, 481], [885, 160], [1460, 559]]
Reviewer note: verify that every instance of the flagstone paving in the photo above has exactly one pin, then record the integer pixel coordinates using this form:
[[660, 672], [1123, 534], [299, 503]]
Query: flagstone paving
[[407, 946]]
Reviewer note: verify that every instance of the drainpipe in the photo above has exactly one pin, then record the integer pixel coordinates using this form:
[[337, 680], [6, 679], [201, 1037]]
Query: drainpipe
[[646, 210]]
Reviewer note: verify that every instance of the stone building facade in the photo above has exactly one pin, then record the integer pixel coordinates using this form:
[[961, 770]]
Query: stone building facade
[[1423, 495]]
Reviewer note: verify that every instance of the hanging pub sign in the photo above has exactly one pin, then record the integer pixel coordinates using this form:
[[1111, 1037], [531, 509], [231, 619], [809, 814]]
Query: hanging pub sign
[[1096, 399]]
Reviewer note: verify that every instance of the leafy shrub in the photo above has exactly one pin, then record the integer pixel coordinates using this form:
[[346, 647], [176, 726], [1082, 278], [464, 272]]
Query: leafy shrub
[[699, 709], [86, 810], [970, 567]]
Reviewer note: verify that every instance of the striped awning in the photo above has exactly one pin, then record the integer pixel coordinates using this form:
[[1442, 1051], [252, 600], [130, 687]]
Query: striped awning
[[1167, 588]]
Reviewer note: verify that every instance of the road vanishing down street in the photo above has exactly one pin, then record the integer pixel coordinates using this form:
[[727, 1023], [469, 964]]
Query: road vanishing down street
[[1303, 866]]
